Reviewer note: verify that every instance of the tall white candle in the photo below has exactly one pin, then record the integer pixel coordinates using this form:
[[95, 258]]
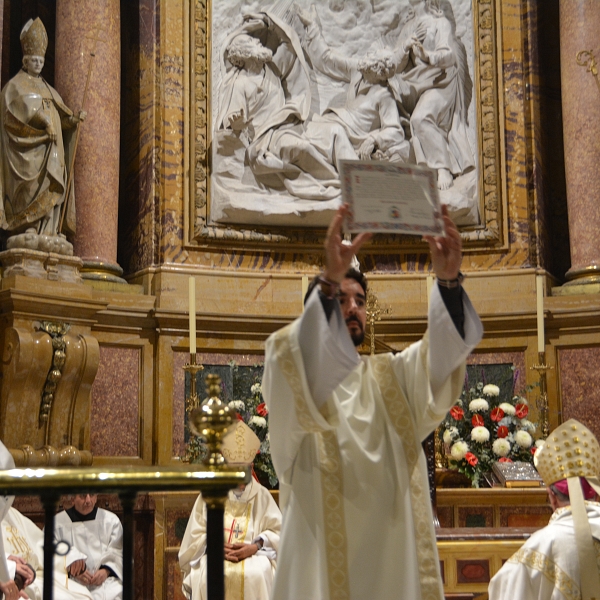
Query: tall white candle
[[539, 285], [192, 315]]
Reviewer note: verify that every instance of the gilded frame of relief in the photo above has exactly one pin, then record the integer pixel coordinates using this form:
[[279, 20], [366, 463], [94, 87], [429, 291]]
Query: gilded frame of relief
[[491, 230]]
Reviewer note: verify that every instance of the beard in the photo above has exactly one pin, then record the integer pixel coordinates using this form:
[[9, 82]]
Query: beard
[[357, 337]]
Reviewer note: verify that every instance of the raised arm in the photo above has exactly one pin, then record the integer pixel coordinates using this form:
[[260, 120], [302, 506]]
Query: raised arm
[[326, 60], [327, 350]]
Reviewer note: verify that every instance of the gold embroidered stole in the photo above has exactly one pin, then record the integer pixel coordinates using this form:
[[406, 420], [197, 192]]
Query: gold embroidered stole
[[237, 520], [400, 417], [336, 541], [16, 544]]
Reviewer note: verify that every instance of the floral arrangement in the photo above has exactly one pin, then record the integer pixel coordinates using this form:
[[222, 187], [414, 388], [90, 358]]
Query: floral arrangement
[[482, 428], [255, 414]]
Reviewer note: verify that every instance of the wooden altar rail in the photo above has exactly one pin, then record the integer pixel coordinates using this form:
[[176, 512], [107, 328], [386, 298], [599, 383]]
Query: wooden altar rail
[[51, 484]]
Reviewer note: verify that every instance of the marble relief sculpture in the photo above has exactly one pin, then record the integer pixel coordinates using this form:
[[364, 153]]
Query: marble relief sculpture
[[300, 86], [433, 85], [266, 100], [37, 146]]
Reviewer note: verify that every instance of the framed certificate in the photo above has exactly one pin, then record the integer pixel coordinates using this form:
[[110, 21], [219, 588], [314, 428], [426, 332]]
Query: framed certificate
[[391, 198]]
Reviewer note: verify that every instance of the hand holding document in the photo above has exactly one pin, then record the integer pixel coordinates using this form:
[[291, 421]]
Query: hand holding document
[[388, 197]]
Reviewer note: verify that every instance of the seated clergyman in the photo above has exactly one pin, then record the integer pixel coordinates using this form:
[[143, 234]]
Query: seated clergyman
[[252, 523], [562, 560], [96, 539], [23, 543], [8, 581]]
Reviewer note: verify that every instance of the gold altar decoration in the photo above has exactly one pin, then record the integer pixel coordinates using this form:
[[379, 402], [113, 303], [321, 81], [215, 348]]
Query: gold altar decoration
[[586, 58], [192, 401], [542, 401], [193, 450], [211, 421], [57, 332], [374, 314]]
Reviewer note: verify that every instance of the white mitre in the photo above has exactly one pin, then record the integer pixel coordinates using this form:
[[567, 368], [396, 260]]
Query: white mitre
[[240, 445]]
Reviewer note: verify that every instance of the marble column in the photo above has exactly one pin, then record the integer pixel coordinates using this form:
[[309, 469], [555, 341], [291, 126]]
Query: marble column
[[579, 27], [84, 29]]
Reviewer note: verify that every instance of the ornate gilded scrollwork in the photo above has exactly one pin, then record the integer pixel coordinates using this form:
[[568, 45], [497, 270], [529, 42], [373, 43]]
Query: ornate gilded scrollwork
[[586, 58], [57, 332]]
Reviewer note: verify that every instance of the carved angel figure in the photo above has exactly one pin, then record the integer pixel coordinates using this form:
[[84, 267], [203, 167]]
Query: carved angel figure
[[434, 86]]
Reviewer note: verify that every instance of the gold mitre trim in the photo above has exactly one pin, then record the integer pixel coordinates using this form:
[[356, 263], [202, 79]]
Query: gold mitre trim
[[571, 450], [240, 445], [34, 39]]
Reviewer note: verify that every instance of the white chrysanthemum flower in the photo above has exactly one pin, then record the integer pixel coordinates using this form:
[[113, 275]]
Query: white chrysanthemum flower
[[459, 450], [478, 405], [508, 408], [539, 443], [491, 390], [450, 434], [258, 421], [255, 389], [527, 425], [523, 439], [237, 405], [480, 434], [501, 447]]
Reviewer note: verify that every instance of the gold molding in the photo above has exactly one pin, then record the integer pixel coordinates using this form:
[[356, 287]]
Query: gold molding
[[492, 184], [586, 58]]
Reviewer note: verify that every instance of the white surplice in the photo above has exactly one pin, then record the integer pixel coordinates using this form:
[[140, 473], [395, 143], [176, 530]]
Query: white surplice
[[346, 438], [100, 542], [546, 567], [252, 515], [23, 538], [6, 462]]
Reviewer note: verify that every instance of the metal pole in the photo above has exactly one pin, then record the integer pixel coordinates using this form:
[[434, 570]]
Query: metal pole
[[128, 501], [215, 555], [50, 502]]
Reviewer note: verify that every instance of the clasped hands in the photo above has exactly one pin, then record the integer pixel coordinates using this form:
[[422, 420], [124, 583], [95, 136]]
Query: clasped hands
[[239, 552], [23, 569], [78, 570]]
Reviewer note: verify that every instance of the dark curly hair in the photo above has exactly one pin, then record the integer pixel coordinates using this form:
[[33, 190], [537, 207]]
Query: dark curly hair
[[351, 273]]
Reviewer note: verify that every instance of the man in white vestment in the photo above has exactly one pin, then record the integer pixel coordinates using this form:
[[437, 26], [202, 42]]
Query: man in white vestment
[[8, 587], [252, 523], [23, 543], [346, 433], [96, 539], [562, 560]]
